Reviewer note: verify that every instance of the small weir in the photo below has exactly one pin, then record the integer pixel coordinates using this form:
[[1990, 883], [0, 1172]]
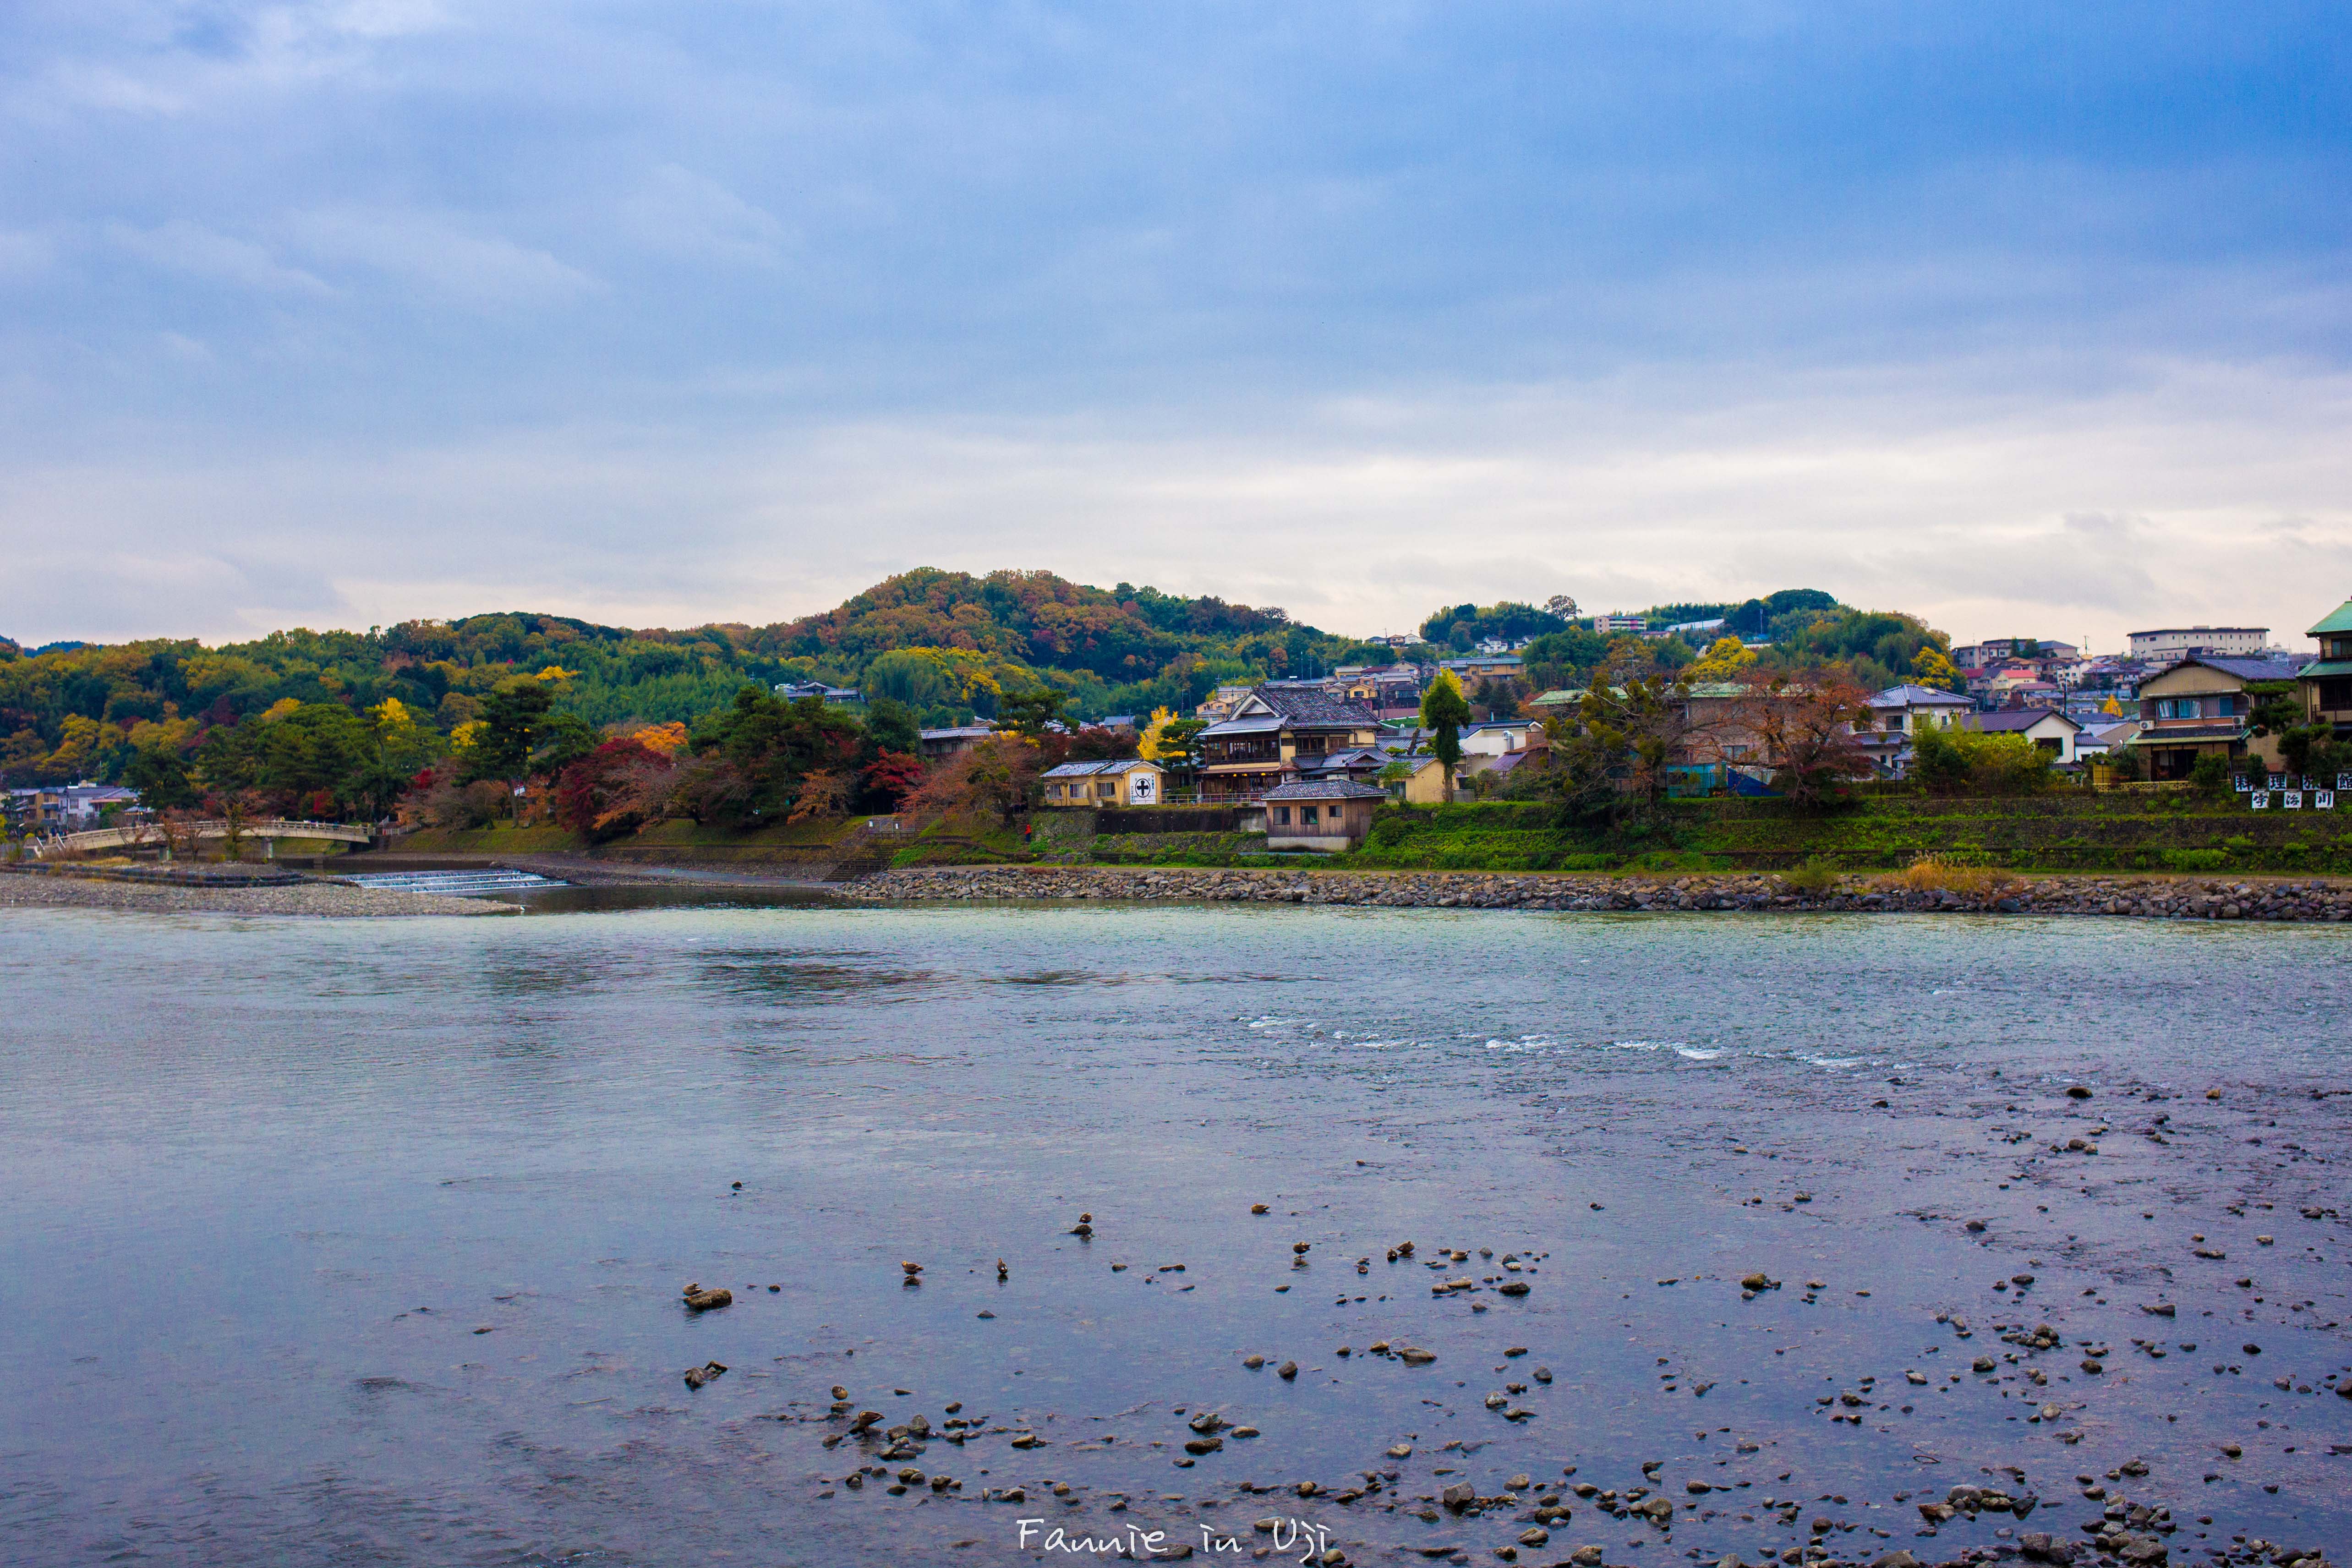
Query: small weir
[[467, 883]]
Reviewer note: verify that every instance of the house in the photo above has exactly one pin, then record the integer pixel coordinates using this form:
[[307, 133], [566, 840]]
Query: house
[[1130, 782], [1279, 735], [2200, 705], [1425, 783], [938, 745], [1221, 703], [1485, 667], [2048, 728], [1908, 708], [1496, 736], [841, 696], [1326, 815], [1606, 624], [2326, 681], [2103, 737], [2176, 642]]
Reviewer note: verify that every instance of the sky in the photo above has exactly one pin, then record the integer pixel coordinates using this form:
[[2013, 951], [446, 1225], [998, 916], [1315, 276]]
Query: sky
[[2031, 319]]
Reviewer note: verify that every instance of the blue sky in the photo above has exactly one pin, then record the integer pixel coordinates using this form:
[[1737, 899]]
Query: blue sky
[[2032, 319]]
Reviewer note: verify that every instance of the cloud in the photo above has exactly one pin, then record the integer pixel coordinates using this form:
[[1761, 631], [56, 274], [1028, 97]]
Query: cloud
[[675, 212], [2213, 493], [483, 271], [191, 248]]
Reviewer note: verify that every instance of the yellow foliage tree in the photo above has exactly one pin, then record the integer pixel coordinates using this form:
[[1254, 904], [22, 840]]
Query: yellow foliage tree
[[1725, 660], [1934, 667], [1147, 746], [668, 739]]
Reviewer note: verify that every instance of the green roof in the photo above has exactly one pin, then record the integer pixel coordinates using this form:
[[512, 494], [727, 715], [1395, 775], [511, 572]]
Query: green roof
[[2330, 668], [2339, 622]]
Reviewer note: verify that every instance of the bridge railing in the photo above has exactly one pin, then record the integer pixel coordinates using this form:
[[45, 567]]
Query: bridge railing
[[140, 833]]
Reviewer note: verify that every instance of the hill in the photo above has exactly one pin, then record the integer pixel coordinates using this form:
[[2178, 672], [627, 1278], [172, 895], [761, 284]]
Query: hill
[[947, 644]]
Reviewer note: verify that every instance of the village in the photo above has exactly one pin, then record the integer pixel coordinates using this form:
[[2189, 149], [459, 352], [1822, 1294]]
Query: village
[[1311, 759]]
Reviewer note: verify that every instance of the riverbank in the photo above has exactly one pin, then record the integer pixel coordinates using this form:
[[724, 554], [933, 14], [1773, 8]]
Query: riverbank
[[338, 900], [2315, 899]]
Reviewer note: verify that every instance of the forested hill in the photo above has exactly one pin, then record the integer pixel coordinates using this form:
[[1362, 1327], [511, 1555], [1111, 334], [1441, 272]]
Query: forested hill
[[945, 642]]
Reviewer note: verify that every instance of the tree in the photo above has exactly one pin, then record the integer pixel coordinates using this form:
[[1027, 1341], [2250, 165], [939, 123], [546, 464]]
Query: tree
[[512, 716], [1443, 712], [753, 756], [894, 775], [891, 726], [1641, 722], [1807, 732], [1031, 713], [1174, 743], [561, 740], [2312, 750], [1726, 659], [614, 790], [1095, 744], [2209, 774], [1969, 762], [997, 777], [160, 774], [1931, 666]]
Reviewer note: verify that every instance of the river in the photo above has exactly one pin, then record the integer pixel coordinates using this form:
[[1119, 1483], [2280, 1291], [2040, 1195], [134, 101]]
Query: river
[[364, 1241]]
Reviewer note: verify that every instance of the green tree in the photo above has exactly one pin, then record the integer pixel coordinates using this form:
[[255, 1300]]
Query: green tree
[[561, 740], [891, 726], [1443, 712], [1642, 721], [2209, 774], [512, 715], [1030, 713], [160, 774]]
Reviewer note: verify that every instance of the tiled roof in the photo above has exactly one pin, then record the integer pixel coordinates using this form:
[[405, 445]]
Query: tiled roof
[[1917, 696], [2011, 721], [1306, 705], [2339, 620], [1256, 723], [1079, 769], [1325, 789], [2189, 732], [2245, 669]]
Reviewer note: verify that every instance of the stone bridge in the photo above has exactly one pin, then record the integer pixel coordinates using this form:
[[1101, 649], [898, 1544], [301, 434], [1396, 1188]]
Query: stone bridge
[[142, 834]]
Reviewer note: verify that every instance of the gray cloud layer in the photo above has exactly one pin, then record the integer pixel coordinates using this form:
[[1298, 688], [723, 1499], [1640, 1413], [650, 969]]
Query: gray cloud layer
[[341, 312]]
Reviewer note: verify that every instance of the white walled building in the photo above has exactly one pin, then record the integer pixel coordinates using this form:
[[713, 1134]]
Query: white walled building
[[2180, 642]]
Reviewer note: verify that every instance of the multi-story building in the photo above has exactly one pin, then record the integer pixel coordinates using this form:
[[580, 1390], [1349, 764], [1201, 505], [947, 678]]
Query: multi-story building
[[2182, 642], [1280, 734], [2326, 681], [2202, 704]]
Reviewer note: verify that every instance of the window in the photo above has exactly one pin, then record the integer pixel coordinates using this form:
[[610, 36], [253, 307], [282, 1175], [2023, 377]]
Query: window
[[1895, 721], [1282, 816], [1306, 813], [1106, 791]]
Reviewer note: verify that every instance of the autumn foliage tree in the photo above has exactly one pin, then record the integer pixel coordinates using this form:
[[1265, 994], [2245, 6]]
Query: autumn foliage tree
[[1808, 733], [617, 789], [997, 777]]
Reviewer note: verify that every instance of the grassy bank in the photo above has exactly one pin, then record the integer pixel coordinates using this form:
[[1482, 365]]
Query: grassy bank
[[666, 843], [2120, 832]]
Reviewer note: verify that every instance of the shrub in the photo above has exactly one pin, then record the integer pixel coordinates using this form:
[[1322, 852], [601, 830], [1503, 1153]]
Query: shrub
[[2196, 859], [1933, 874], [2209, 774], [1816, 876]]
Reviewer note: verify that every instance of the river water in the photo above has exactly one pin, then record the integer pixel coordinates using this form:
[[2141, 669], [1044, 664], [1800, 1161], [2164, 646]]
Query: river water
[[364, 1241]]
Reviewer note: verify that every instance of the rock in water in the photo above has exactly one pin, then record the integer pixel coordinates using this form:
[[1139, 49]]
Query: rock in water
[[709, 1371], [699, 1299]]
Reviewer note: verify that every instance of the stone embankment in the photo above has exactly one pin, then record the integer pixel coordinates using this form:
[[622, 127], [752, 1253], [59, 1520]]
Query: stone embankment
[[2153, 898]]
